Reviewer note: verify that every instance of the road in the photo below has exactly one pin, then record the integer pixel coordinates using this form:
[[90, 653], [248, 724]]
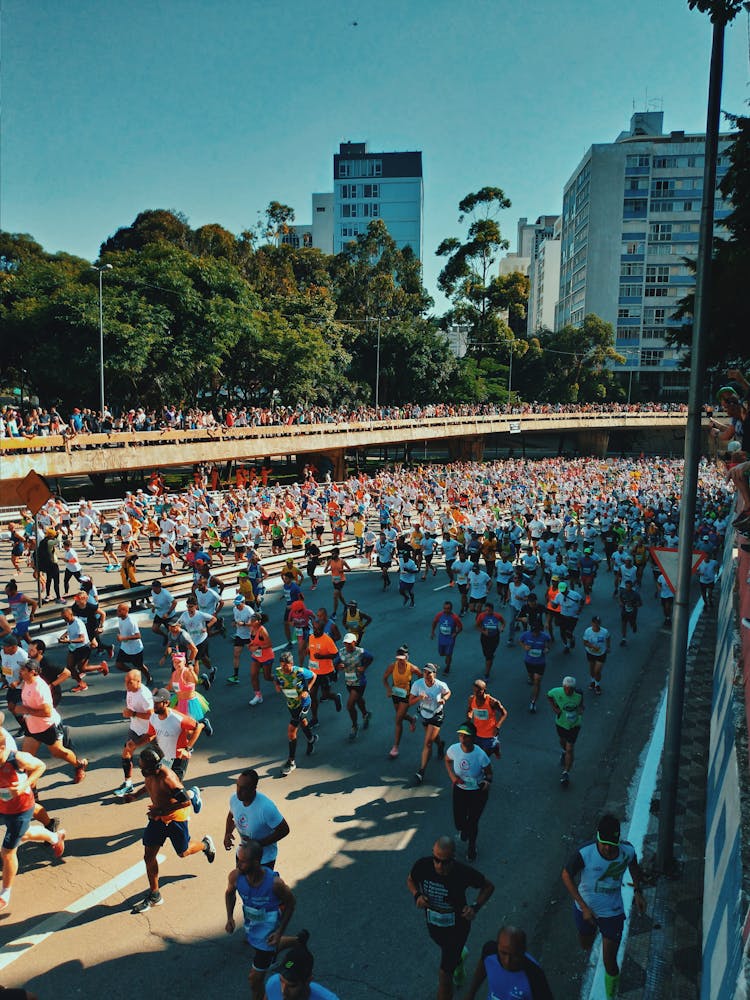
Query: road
[[356, 823]]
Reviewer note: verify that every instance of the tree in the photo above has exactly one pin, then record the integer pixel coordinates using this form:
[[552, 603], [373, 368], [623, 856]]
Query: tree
[[152, 226], [278, 219], [467, 277]]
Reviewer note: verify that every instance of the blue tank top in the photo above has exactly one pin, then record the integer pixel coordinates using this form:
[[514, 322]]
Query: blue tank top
[[260, 909]]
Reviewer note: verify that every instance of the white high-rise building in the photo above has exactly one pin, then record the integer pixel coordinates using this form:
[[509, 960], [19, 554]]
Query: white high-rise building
[[544, 270], [631, 213]]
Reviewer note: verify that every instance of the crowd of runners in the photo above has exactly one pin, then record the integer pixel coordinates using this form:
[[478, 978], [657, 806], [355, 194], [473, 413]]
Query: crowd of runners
[[535, 556]]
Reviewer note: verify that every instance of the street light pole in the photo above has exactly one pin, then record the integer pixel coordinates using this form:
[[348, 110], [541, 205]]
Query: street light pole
[[377, 370], [510, 372], [679, 644], [104, 267]]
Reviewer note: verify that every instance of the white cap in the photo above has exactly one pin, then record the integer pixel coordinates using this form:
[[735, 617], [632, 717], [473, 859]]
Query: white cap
[[569, 682], [350, 637]]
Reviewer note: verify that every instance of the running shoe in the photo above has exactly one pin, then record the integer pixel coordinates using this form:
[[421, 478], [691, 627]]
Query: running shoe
[[58, 849], [126, 788], [597, 689], [205, 681], [366, 720], [209, 729], [623, 642], [532, 707], [110, 650], [149, 901], [54, 824], [339, 703], [104, 668], [82, 686], [459, 973], [257, 699], [592, 686], [311, 744], [564, 779], [353, 734], [233, 680], [80, 771], [288, 768], [195, 794], [209, 849], [419, 776]]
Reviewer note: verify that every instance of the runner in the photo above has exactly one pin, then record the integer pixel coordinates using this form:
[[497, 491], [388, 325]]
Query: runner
[[164, 606], [596, 643], [536, 645], [354, 660], [355, 620], [294, 981], [438, 886], [449, 626], [570, 602], [267, 907], [598, 906], [167, 818], [338, 568], [470, 772], [491, 626], [510, 972], [242, 616], [295, 683], [430, 695], [402, 673], [198, 625], [130, 651], [42, 721], [384, 554], [261, 656], [322, 651], [254, 816], [19, 774], [630, 601], [567, 705], [139, 707], [487, 715]]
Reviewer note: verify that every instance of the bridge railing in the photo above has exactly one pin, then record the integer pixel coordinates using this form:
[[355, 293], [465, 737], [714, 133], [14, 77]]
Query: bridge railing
[[283, 433]]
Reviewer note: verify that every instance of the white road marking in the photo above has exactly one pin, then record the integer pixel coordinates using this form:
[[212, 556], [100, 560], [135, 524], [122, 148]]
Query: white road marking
[[21, 946], [444, 587]]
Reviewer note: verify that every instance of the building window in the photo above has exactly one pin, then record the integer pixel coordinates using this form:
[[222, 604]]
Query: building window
[[344, 168], [629, 312], [636, 184], [687, 206], [662, 187], [663, 162], [653, 333], [631, 270], [654, 315], [659, 232], [632, 248], [320, 208], [651, 358], [657, 274], [656, 291], [371, 191], [630, 291], [636, 161]]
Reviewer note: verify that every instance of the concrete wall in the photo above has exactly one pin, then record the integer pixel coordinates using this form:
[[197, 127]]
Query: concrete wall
[[725, 900]]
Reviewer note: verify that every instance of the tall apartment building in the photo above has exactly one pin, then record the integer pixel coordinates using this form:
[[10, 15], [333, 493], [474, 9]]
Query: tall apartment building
[[542, 241], [385, 186], [631, 213]]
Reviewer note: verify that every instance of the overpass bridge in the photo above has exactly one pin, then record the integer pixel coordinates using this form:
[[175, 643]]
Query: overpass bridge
[[56, 457]]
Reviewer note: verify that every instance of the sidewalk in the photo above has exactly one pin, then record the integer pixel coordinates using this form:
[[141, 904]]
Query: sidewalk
[[663, 954]]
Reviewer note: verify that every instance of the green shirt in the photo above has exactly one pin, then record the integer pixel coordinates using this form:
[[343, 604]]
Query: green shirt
[[571, 714]]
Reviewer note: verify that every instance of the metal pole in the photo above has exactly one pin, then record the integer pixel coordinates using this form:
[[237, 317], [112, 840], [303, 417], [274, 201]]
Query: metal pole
[[377, 370], [510, 371], [101, 346], [678, 650], [36, 559]]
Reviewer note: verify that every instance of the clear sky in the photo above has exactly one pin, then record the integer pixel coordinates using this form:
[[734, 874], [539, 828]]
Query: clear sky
[[214, 108]]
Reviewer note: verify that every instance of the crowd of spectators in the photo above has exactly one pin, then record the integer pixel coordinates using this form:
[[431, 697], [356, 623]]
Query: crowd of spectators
[[40, 421]]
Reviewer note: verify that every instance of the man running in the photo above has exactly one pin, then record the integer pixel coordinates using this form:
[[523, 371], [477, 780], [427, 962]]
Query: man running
[[130, 652], [42, 721], [295, 683], [600, 867], [322, 651], [510, 972], [438, 886], [566, 703], [470, 772], [139, 707], [630, 601], [267, 906], [430, 695], [401, 674], [536, 645], [449, 626], [167, 818], [487, 715], [255, 817], [491, 626]]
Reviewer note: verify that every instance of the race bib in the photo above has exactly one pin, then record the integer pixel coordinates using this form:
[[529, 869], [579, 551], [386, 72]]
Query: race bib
[[399, 692], [481, 714], [290, 694], [254, 915], [438, 919], [313, 664], [534, 653], [571, 716]]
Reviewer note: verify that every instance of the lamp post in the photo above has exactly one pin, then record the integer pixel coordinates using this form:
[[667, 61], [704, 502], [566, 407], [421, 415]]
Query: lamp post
[[377, 370], [104, 267]]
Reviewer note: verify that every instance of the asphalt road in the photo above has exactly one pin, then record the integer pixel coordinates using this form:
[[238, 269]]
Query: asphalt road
[[356, 823]]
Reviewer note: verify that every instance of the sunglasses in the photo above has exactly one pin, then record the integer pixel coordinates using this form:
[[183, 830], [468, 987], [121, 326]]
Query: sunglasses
[[609, 843], [442, 861]]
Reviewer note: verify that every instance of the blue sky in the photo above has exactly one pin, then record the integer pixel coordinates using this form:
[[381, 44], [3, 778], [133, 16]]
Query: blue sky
[[216, 108]]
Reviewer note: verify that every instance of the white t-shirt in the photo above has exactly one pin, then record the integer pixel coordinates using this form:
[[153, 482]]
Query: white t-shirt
[[431, 703], [168, 732], [596, 639], [195, 625], [256, 821], [468, 767], [139, 701], [665, 590], [127, 627], [162, 602]]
